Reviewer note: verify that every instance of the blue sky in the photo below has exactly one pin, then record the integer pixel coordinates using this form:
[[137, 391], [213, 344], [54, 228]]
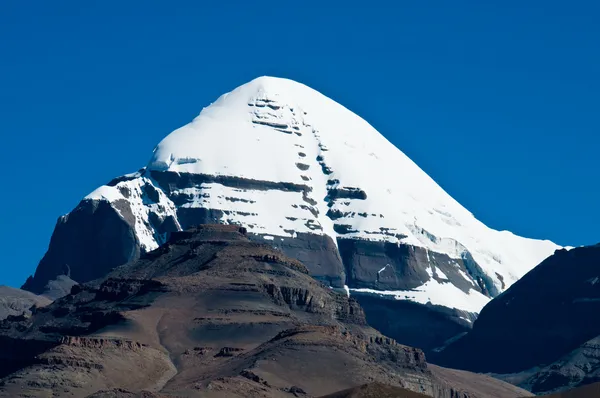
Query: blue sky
[[498, 102]]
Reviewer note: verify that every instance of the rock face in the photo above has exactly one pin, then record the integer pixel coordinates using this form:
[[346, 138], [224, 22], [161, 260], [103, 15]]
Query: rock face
[[210, 313], [17, 302], [542, 330], [419, 325], [311, 178], [87, 243]]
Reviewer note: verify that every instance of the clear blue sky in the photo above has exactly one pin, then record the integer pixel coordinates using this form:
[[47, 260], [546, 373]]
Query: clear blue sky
[[498, 102]]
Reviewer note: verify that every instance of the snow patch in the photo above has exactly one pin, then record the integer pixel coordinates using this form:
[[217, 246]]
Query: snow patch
[[436, 293], [441, 274], [383, 269], [464, 275], [106, 193], [347, 289]]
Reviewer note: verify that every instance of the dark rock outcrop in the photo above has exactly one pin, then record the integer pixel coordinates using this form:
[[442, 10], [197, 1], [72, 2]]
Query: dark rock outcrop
[[415, 324], [386, 266], [87, 243], [542, 327], [318, 252]]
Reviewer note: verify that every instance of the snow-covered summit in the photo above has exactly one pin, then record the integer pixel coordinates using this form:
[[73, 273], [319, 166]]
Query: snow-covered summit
[[283, 159]]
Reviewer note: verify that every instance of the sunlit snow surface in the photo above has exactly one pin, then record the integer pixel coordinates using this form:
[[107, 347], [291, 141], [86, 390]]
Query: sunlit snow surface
[[436, 293], [277, 130]]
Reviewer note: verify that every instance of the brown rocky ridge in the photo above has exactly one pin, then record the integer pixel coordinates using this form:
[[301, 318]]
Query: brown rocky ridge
[[213, 314], [375, 390]]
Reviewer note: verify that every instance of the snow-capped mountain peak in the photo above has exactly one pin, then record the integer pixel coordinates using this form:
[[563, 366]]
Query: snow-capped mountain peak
[[273, 129], [286, 161]]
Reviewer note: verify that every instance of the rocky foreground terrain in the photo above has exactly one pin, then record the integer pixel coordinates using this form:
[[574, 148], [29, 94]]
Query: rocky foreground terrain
[[212, 314]]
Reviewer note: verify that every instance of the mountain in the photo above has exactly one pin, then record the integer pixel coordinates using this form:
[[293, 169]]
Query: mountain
[[313, 179], [16, 301], [211, 313], [541, 333]]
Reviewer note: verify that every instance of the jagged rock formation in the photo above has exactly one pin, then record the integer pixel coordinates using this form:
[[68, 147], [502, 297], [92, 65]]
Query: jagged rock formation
[[210, 313], [308, 176], [18, 302], [541, 333]]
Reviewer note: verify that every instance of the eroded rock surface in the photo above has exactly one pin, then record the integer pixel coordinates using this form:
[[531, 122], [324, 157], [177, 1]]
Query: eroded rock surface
[[209, 313]]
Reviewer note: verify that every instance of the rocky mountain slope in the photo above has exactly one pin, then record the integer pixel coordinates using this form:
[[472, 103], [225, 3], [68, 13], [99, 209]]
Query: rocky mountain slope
[[541, 333], [212, 314], [373, 390], [16, 301], [376, 390], [589, 391], [313, 179]]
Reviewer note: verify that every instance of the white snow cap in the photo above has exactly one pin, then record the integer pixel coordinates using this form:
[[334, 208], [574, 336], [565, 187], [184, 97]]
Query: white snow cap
[[278, 130]]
